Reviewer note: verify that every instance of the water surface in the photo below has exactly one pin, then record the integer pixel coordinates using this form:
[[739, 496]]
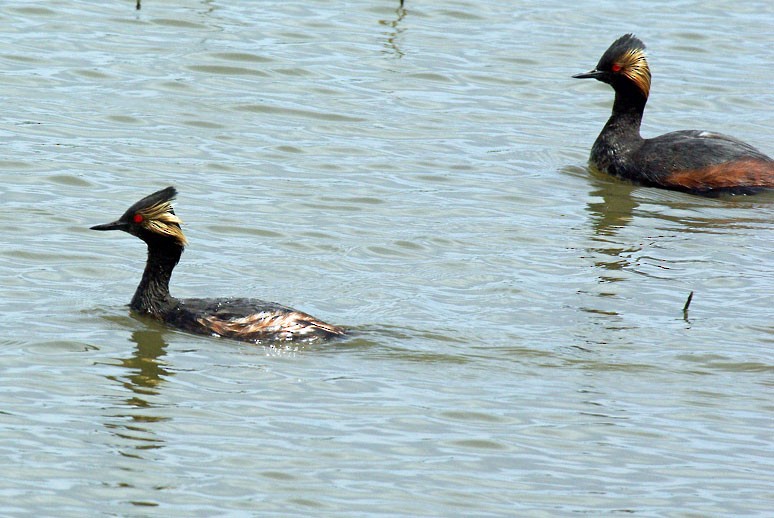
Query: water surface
[[518, 341]]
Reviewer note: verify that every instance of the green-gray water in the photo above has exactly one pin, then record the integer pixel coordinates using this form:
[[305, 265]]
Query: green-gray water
[[518, 346]]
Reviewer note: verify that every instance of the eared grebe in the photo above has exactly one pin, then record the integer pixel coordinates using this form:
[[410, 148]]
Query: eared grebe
[[153, 220], [694, 161]]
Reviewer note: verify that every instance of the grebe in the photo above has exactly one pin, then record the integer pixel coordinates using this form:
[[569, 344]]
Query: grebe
[[153, 220], [699, 162]]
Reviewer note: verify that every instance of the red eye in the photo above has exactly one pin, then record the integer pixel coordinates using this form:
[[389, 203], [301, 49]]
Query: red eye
[[137, 218], [616, 67]]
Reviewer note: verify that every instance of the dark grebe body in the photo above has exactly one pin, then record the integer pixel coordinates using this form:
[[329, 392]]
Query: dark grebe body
[[153, 220], [699, 162]]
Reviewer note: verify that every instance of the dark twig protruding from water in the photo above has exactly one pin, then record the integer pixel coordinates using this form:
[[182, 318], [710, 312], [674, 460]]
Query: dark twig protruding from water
[[687, 304], [138, 6]]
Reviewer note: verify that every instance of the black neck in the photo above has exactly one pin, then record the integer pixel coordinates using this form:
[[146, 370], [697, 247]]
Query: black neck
[[152, 295], [626, 118]]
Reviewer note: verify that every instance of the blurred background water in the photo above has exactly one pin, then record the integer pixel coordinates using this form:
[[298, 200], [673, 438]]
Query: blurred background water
[[419, 176]]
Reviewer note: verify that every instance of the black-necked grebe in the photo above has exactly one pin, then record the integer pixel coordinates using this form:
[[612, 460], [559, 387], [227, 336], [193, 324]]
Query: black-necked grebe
[[153, 220], [694, 161]]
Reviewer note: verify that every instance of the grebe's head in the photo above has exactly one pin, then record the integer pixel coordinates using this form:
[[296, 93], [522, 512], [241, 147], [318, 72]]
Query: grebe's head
[[623, 64], [151, 219]]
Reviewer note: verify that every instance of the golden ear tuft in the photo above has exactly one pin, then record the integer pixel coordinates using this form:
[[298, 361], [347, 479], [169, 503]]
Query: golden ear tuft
[[634, 66], [161, 219]]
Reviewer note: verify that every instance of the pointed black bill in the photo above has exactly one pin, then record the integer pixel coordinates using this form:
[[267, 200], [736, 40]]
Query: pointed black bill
[[591, 74], [116, 225]]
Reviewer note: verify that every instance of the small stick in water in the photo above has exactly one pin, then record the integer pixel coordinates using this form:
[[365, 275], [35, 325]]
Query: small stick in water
[[687, 303], [138, 5]]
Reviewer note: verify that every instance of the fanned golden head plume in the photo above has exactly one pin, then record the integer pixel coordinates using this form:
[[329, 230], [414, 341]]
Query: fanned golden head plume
[[152, 215], [631, 63], [623, 63], [161, 219]]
